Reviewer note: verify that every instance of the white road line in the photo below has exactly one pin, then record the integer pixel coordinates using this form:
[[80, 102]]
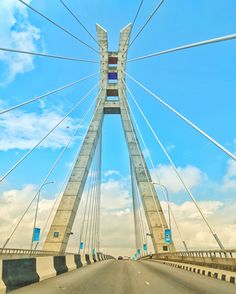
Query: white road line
[[147, 283]]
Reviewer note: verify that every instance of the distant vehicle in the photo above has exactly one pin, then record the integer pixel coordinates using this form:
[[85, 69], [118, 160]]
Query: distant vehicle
[[120, 257], [126, 258]]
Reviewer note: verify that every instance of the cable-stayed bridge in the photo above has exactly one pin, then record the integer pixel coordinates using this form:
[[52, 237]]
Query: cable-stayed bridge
[[167, 269]]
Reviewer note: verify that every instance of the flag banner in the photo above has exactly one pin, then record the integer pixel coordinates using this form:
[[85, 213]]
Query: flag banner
[[168, 236], [81, 245], [36, 235]]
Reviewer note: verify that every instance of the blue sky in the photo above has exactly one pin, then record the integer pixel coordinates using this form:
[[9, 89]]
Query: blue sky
[[199, 82]]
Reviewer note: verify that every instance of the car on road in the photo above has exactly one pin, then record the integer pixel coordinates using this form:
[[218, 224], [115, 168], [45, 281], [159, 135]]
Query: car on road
[[120, 257], [126, 258]]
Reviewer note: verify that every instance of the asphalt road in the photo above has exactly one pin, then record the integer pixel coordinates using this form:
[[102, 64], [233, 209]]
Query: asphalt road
[[129, 277]]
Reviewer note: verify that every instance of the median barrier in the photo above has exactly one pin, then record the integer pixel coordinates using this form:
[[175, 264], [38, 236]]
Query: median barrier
[[94, 258], [99, 256], [70, 262], [87, 257], [18, 273], [78, 260], [60, 264], [215, 273], [2, 285], [45, 267], [91, 258], [83, 260]]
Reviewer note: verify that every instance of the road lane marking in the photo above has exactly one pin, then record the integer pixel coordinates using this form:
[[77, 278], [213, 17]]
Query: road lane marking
[[147, 283], [139, 272]]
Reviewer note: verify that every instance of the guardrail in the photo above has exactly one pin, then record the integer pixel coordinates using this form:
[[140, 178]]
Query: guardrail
[[14, 252], [222, 259]]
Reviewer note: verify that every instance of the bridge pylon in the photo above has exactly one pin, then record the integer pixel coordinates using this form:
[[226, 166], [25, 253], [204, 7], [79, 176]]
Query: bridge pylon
[[112, 67]]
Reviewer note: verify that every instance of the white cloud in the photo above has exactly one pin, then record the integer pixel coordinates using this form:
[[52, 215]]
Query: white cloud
[[12, 205], [16, 32], [229, 180], [117, 222], [110, 173], [22, 130], [192, 176], [115, 196], [195, 232]]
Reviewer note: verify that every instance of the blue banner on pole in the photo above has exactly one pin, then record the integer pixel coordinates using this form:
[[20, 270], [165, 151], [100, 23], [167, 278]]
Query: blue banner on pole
[[145, 247], [81, 245], [36, 234], [93, 251], [139, 251], [168, 236]]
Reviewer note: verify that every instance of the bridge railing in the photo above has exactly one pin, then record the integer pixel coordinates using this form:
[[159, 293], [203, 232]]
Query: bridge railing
[[15, 252], [222, 259]]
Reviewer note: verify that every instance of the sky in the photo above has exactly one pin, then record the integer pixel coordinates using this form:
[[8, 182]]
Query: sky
[[198, 82]]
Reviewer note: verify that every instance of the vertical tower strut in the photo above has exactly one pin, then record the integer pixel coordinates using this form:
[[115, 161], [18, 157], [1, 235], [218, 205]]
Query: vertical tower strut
[[112, 69]]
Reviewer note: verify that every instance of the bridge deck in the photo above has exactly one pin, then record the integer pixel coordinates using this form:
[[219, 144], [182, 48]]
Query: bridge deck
[[121, 277]]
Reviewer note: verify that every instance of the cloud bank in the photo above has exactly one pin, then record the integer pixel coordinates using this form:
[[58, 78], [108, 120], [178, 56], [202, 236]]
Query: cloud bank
[[22, 130], [16, 32], [117, 224]]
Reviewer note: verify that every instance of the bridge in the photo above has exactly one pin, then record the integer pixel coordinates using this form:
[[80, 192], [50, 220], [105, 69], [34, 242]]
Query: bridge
[[163, 261]]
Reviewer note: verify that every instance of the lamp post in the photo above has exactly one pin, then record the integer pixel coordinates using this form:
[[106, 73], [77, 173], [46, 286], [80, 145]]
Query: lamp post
[[147, 234], [36, 213], [168, 201], [169, 211]]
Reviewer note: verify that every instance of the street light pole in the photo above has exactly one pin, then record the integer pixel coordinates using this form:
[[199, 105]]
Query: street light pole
[[168, 201], [147, 234], [171, 212], [36, 213]]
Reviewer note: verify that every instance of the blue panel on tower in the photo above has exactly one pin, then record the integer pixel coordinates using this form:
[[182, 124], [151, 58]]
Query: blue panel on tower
[[112, 76]]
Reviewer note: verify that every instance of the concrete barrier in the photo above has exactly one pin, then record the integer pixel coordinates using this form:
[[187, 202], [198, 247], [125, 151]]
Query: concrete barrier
[[99, 256], [87, 257], [94, 258], [60, 264], [70, 262], [91, 258], [18, 273], [215, 273], [78, 260], [45, 267], [83, 260], [2, 285]]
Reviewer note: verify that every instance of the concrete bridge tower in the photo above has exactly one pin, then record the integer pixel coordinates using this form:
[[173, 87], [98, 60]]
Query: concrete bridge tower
[[112, 66]]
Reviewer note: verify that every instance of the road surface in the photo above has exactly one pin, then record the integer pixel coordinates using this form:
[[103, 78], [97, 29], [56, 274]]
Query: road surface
[[129, 277]]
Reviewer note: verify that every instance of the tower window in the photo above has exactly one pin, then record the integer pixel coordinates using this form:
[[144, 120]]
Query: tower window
[[112, 76], [112, 92], [112, 60]]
